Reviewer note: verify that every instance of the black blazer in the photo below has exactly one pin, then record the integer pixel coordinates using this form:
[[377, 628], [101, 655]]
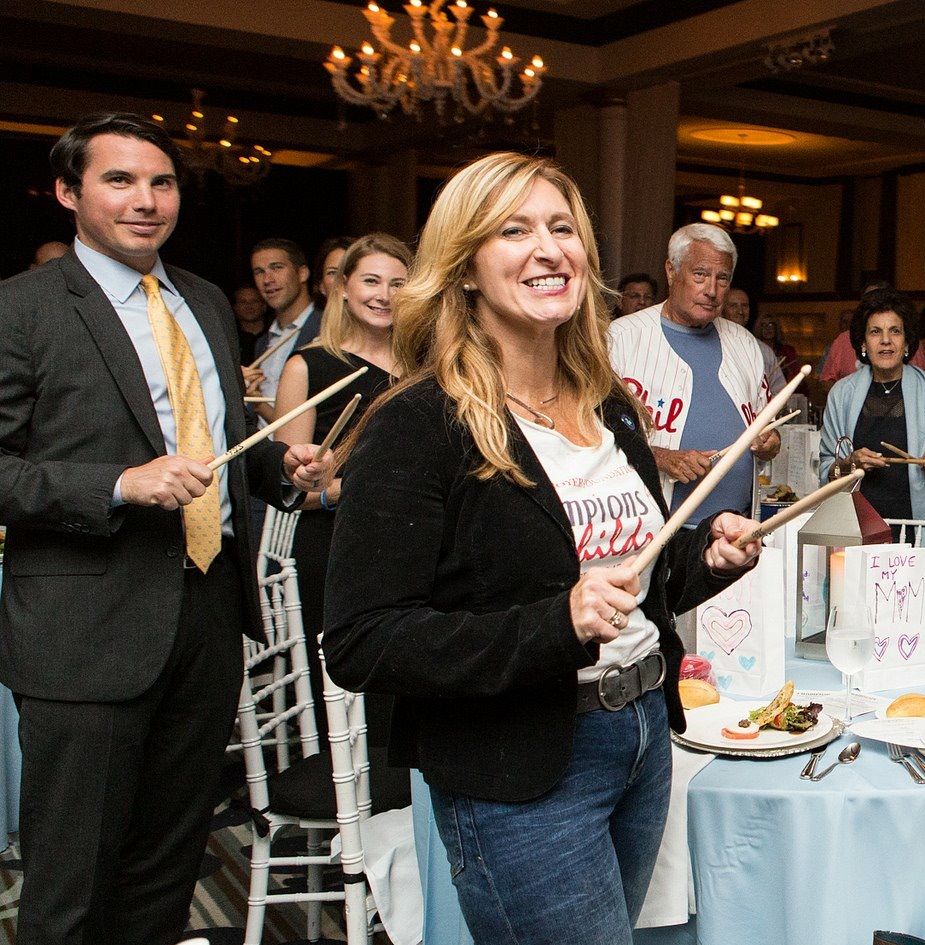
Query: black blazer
[[91, 595], [453, 593]]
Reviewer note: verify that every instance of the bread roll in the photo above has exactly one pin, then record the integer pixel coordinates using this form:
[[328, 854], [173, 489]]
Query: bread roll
[[696, 692], [908, 705]]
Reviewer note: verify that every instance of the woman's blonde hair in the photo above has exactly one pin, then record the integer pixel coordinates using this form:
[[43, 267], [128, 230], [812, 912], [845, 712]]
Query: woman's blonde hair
[[339, 325], [435, 329]]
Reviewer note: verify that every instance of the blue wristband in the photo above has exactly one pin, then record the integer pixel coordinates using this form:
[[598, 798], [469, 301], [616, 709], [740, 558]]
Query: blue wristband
[[325, 504]]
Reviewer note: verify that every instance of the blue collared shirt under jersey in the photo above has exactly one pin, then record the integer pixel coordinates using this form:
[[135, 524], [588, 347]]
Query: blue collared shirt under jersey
[[122, 286], [273, 366]]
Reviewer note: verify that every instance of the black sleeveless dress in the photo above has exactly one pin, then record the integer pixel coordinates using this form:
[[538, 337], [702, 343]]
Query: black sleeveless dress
[[313, 534]]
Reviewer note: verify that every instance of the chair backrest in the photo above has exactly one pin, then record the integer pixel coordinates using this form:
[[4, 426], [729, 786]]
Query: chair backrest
[[276, 692], [275, 547], [350, 769], [908, 526]]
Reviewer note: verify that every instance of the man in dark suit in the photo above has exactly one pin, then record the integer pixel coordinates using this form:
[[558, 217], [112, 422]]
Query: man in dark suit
[[119, 635], [282, 276]]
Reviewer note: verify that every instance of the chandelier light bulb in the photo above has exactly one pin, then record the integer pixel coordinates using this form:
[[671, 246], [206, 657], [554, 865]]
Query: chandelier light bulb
[[710, 216], [506, 53], [414, 47], [243, 160], [191, 127], [198, 114], [337, 53], [753, 203], [529, 73], [232, 119], [373, 8], [225, 143], [368, 49], [727, 215], [157, 117], [493, 14], [456, 51], [727, 200], [537, 62]]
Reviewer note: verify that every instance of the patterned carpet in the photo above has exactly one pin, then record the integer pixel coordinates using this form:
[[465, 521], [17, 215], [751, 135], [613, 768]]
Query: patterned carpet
[[220, 905]]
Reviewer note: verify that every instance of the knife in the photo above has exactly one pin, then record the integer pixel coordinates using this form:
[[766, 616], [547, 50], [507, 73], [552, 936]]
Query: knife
[[810, 769]]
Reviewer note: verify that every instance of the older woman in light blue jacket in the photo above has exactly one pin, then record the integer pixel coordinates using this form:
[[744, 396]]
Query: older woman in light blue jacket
[[883, 401]]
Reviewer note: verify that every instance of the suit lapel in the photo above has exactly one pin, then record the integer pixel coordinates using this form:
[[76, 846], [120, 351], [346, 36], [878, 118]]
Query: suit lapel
[[115, 347], [543, 493], [627, 436]]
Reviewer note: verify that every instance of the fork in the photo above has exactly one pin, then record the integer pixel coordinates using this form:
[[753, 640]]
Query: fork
[[898, 755]]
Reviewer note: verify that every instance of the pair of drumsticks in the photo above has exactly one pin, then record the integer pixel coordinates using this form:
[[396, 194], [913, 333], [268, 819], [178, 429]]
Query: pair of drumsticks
[[905, 458]]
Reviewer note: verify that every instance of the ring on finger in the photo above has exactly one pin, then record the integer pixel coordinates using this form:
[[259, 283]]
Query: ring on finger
[[618, 620]]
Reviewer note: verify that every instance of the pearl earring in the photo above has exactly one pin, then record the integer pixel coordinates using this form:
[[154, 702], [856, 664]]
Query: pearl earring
[[467, 287], [906, 352], [863, 351]]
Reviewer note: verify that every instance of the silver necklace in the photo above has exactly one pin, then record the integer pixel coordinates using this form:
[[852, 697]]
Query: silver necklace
[[538, 415], [888, 390]]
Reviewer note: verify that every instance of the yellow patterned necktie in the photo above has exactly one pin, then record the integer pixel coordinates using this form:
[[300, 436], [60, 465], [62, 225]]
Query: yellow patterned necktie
[[202, 517]]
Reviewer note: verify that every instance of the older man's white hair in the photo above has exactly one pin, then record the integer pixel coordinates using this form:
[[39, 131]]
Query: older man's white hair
[[716, 236]]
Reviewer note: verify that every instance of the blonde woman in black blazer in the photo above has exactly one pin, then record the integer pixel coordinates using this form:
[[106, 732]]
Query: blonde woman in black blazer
[[465, 573]]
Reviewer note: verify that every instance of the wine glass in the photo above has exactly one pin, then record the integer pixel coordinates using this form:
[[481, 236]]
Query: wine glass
[[849, 643]]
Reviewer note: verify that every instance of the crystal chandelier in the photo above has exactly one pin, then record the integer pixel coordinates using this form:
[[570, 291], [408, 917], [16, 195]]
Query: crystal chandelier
[[237, 163], [739, 213], [434, 66]]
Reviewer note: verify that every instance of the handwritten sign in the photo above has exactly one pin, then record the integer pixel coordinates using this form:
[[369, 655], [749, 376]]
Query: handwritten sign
[[893, 582], [741, 630]]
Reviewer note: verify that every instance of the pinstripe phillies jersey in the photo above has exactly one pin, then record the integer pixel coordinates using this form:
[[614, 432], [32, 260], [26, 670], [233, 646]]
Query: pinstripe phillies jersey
[[642, 356]]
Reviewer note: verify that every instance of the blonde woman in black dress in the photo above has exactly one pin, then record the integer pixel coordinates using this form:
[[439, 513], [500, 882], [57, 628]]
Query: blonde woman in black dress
[[356, 331]]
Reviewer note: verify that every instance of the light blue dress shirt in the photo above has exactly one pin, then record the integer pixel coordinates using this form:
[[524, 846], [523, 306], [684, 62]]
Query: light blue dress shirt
[[273, 366], [122, 286]]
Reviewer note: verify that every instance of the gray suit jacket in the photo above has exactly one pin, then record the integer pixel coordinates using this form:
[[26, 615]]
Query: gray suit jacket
[[91, 595]]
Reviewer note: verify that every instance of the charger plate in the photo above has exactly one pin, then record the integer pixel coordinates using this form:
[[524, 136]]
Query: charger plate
[[781, 751]]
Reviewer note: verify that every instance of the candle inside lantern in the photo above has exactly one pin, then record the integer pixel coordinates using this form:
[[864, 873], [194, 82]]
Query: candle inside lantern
[[836, 579]]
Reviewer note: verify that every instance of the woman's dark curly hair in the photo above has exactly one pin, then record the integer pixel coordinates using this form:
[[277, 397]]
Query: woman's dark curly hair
[[885, 300]]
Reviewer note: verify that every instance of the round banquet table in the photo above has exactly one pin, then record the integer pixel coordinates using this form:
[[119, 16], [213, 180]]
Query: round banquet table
[[10, 762], [776, 860]]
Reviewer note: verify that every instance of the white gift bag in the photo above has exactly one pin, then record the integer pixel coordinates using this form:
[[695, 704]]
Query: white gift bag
[[741, 630], [894, 590]]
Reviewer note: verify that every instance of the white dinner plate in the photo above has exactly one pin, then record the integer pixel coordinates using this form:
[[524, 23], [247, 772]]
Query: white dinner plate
[[907, 732], [705, 725]]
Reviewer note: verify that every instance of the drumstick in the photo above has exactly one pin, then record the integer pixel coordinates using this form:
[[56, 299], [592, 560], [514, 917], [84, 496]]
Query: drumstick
[[709, 481], [771, 426], [339, 425], [896, 450], [284, 419], [792, 511], [260, 400], [287, 337], [904, 461]]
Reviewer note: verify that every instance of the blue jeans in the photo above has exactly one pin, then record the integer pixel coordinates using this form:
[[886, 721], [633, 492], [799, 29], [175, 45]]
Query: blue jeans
[[571, 867]]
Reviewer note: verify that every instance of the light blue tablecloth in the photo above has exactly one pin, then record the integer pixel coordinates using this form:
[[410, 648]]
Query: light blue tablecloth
[[777, 860], [10, 762]]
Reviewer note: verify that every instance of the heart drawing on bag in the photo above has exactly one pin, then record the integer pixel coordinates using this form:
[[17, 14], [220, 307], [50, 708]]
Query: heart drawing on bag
[[708, 655], [727, 631], [907, 645], [880, 646], [724, 682], [747, 662]]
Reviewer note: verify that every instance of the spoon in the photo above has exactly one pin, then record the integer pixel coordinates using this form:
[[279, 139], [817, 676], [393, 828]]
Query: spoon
[[845, 757]]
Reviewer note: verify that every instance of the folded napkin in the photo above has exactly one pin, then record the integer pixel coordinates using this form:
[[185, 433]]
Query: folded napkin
[[392, 874], [670, 900]]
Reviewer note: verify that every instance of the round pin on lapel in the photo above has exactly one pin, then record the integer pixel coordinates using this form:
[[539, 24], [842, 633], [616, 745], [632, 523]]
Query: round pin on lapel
[[628, 421]]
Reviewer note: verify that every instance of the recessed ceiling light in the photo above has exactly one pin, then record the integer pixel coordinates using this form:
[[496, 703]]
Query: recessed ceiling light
[[747, 137]]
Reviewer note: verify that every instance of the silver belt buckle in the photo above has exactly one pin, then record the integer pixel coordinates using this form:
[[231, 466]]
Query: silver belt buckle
[[664, 668], [610, 707]]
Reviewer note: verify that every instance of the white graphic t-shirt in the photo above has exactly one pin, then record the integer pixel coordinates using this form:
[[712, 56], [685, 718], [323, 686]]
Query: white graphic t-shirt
[[613, 516]]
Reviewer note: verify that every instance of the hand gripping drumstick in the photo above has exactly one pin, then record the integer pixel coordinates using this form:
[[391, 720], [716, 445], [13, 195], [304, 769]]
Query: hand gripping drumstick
[[719, 454], [792, 511], [709, 481], [339, 425], [284, 419]]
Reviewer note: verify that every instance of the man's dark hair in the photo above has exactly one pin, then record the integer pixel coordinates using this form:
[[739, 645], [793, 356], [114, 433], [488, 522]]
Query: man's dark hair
[[885, 300], [68, 157], [638, 277], [292, 249]]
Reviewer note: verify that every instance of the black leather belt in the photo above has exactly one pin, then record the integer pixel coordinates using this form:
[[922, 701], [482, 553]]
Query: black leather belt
[[622, 684]]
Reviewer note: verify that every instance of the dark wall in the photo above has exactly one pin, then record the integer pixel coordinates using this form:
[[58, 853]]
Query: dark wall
[[218, 223]]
